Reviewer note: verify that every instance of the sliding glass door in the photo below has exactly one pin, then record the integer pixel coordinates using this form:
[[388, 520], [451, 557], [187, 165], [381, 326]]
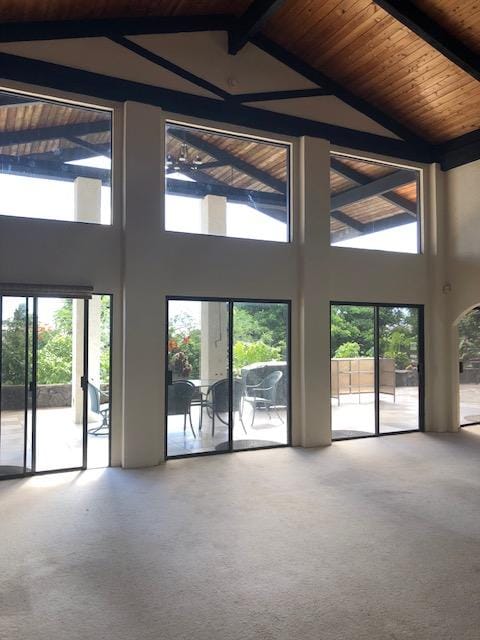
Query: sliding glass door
[[55, 383], [227, 375], [376, 369]]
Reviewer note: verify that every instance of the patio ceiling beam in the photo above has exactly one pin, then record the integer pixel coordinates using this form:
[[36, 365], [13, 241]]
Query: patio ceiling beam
[[198, 175], [229, 159], [24, 136], [348, 220], [358, 177], [250, 23], [431, 32], [60, 29], [96, 149], [10, 100], [47, 170], [374, 188], [233, 194], [363, 229], [169, 66]]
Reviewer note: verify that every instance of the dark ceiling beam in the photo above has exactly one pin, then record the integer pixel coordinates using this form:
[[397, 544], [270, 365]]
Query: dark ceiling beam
[[374, 188], [233, 194], [54, 30], [360, 178], [324, 81], [68, 79], [48, 170], [459, 151], [266, 96], [24, 136], [62, 155], [169, 66], [348, 220], [362, 229], [10, 100], [250, 23], [436, 36], [95, 149], [227, 158]]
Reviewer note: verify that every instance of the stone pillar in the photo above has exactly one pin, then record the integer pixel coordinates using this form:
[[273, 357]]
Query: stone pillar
[[214, 215], [314, 235], [214, 315], [87, 208]]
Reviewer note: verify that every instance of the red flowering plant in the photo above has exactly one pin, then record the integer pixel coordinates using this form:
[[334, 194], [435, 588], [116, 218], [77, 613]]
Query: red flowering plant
[[183, 349]]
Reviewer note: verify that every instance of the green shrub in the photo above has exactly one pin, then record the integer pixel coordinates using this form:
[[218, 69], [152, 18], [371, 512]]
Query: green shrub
[[245, 353], [348, 350]]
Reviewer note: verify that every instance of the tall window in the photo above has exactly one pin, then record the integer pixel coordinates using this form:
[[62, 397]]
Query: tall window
[[55, 160], [228, 375], [226, 185], [373, 205]]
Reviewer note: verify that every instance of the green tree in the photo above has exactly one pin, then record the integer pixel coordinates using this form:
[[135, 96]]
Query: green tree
[[13, 347], [469, 336]]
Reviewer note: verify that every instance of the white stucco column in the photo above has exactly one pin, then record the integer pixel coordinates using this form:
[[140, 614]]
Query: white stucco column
[[214, 315], [87, 208], [146, 276], [315, 292], [440, 365]]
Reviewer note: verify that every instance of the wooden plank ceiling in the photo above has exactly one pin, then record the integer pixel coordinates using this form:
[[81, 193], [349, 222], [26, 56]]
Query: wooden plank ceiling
[[364, 48], [354, 42]]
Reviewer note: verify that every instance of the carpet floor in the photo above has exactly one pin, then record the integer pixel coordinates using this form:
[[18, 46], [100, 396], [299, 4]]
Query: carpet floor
[[365, 540]]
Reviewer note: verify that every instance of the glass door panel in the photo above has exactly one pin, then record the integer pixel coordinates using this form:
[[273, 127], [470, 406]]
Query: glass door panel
[[260, 374], [14, 384], [59, 397], [198, 387], [398, 331], [352, 371], [469, 355], [99, 385]]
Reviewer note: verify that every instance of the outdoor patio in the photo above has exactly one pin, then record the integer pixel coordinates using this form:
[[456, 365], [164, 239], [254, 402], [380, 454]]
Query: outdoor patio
[[59, 441], [266, 431], [469, 403], [355, 415]]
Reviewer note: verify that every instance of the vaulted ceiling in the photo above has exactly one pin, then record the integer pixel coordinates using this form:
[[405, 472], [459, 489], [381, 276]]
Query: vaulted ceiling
[[412, 66]]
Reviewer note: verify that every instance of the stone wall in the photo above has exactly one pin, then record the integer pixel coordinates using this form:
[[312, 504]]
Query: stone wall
[[48, 395]]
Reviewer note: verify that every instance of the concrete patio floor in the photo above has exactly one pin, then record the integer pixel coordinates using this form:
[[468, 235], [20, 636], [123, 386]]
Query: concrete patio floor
[[469, 403], [355, 415], [59, 441], [265, 431]]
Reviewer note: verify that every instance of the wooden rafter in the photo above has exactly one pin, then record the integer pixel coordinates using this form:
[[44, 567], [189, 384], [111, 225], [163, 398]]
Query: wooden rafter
[[250, 23], [228, 158], [358, 177], [370, 189]]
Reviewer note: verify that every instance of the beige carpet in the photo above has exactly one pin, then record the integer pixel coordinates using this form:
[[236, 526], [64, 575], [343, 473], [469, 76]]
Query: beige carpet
[[369, 539]]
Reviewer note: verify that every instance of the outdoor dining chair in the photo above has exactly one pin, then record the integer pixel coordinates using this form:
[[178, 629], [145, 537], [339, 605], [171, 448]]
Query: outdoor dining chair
[[102, 409], [216, 402], [179, 401], [264, 394]]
